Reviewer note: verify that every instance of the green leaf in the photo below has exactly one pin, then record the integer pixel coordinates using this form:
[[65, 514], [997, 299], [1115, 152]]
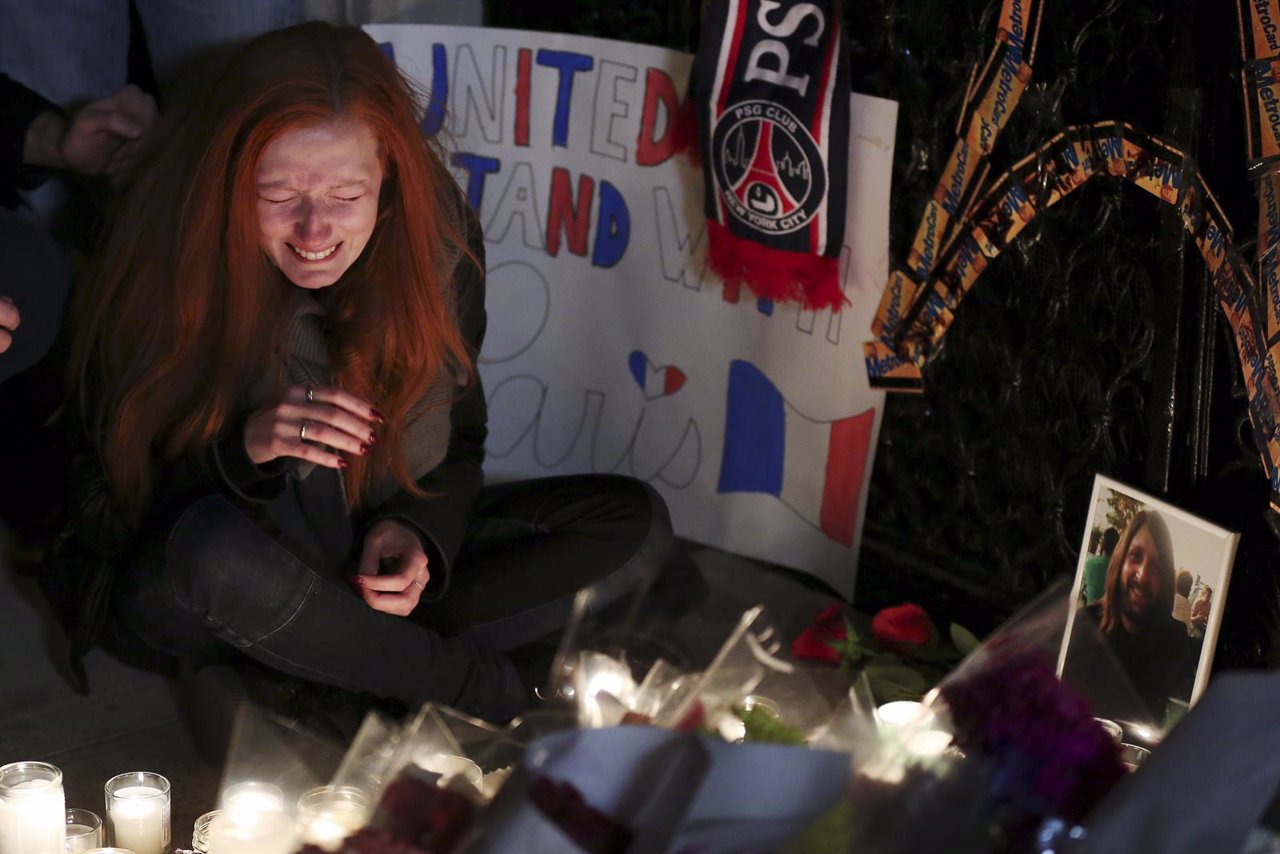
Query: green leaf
[[895, 682], [762, 726], [965, 640], [933, 652]]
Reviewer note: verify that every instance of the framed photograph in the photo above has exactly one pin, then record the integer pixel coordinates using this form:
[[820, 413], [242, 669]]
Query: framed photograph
[[1145, 607]]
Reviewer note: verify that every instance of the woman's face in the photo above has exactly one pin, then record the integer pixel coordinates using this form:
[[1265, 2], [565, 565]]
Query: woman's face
[[1139, 578], [318, 199]]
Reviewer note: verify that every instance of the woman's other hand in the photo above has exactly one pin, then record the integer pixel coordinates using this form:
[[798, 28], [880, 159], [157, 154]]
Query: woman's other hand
[[398, 592], [9, 319], [314, 423]]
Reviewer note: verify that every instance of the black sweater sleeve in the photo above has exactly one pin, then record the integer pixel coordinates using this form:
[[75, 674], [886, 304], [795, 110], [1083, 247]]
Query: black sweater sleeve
[[440, 517]]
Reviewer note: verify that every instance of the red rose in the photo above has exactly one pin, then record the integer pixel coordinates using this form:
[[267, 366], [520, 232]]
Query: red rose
[[818, 642], [902, 628]]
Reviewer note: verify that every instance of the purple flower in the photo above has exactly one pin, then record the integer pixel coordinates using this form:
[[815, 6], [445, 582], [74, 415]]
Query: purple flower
[[1046, 750]]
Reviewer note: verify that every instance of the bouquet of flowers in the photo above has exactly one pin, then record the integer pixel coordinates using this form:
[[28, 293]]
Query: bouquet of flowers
[[999, 757], [902, 658]]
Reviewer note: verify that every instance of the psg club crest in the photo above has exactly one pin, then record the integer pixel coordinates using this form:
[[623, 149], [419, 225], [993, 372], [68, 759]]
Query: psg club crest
[[769, 169]]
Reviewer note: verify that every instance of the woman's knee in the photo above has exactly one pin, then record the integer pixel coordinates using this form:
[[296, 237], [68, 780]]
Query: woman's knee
[[224, 569], [631, 513]]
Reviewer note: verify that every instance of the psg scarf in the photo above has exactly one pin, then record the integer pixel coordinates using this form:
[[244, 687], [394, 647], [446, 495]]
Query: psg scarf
[[772, 93]]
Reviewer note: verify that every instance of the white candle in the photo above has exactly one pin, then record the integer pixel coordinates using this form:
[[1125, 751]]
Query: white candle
[[449, 766], [84, 831], [262, 797], [32, 809], [928, 744], [327, 815], [899, 713], [140, 819], [242, 831], [138, 811]]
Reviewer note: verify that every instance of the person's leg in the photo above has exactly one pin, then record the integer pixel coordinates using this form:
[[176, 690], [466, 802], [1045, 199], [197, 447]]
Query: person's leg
[[216, 577], [37, 277], [534, 544]]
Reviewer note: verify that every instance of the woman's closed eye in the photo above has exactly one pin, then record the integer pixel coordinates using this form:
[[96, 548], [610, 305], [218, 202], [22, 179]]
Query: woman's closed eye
[[276, 200]]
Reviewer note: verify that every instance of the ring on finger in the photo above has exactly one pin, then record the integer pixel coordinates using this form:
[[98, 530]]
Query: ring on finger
[[311, 394], [302, 431]]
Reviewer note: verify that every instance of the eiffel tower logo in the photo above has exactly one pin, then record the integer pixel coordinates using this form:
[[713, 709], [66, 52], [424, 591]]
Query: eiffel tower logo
[[760, 187]]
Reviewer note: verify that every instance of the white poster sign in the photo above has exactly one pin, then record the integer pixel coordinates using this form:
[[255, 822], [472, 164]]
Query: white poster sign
[[610, 347]]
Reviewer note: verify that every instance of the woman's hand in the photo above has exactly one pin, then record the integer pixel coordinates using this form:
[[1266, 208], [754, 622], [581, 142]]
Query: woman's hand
[[9, 320], [396, 544], [307, 418]]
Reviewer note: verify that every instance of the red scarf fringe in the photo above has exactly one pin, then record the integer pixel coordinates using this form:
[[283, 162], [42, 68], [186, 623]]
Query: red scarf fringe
[[775, 274]]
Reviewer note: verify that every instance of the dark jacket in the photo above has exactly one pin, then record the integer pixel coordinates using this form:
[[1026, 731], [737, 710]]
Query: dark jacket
[[96, 539], [18, 106]]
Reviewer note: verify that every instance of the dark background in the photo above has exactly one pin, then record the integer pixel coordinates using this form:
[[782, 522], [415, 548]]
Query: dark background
[[1091, 345]]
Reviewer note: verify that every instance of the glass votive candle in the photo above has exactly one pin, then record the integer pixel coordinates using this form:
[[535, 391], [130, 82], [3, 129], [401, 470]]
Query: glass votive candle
[[262, 797], [449, 766], [200, 832], [929, 743], [248, 831], [329, 814], [1132, 756], [1112, 729], [84, 831], [893, 716], [138, 811], [32, 809]]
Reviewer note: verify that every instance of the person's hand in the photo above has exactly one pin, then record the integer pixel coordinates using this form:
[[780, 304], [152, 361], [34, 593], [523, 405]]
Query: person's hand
[[1200, 613], [104, 136], [9, 320], [394, 544], [305, 420]]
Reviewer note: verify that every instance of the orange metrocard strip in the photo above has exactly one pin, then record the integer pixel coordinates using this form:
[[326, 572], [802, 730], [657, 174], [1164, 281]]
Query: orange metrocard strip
[[1262, 94], [1020, 22], [1156, 166], [889, 371], [998, 94], [949, 199], [1269, 253], [1259, 28], [899, 292]]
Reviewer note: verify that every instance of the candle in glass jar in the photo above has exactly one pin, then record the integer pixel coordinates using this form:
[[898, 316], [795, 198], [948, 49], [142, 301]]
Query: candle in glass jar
[[242, 831], [84, 831], [329, 814], [138, 810], [262, 797], [448, 766], [32, 809]]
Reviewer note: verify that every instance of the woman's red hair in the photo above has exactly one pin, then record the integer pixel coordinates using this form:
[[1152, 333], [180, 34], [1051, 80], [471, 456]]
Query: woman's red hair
[[185, 311]]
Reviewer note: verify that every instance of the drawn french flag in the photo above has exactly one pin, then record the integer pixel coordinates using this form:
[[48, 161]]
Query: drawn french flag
[[814, 467]]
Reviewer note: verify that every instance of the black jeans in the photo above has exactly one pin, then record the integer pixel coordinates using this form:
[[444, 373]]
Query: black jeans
[[219, 577]]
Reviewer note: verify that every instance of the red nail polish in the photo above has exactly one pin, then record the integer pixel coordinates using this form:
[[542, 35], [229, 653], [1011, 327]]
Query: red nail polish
[[373, 439], [357, 581], [378, 416], [364, 449], [342, 464]]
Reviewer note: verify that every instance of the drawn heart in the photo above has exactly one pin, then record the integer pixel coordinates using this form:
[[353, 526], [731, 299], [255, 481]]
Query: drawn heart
[[655, 380]]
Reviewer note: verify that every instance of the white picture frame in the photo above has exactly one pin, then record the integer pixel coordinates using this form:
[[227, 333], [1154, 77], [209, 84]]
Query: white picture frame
[[1123, 649]]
